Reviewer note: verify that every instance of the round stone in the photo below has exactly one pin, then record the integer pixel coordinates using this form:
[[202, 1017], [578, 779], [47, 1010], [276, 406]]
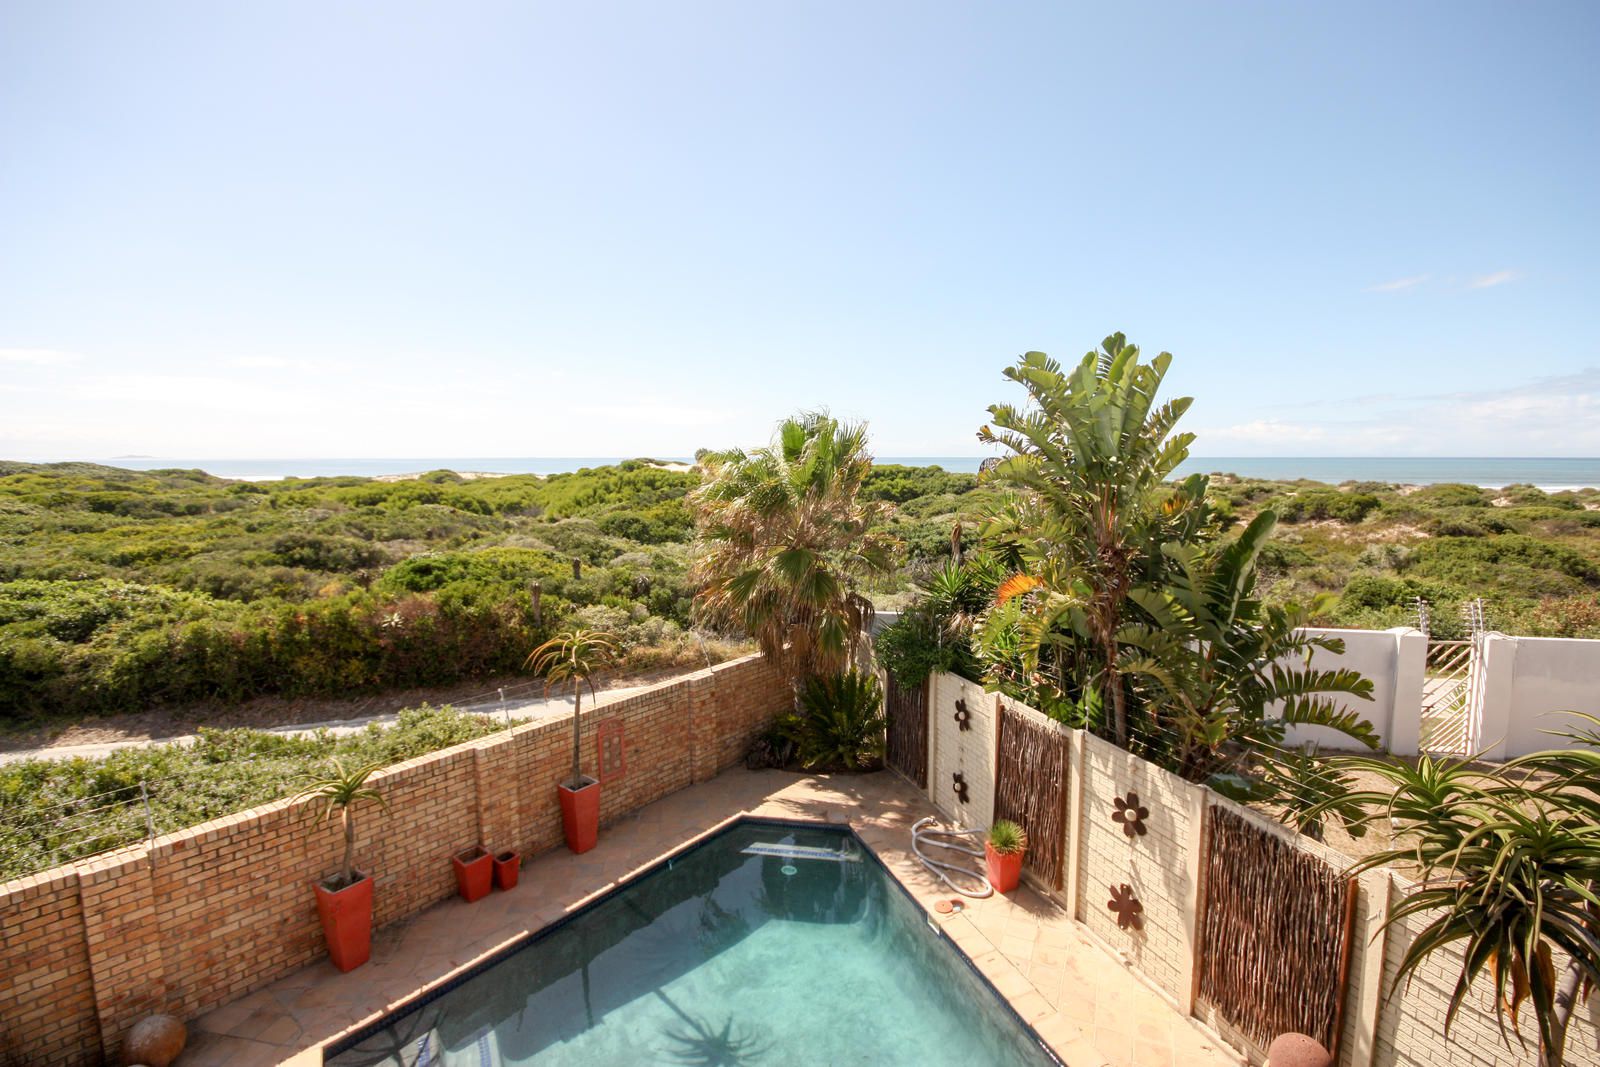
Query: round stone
[[1297, 1050], [154, 1041]]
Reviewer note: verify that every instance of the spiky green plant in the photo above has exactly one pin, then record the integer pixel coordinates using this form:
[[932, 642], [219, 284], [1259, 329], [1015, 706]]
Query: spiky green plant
[[342, 790], [575, 656], [1007, 838], [1509, 875]]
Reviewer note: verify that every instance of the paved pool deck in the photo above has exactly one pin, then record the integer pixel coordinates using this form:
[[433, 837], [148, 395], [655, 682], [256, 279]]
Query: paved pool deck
[[1081, 1000]]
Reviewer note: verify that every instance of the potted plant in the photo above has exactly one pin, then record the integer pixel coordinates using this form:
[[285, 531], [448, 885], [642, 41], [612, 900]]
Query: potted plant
[[1003, 850], [344, 901], [506, 867], [474, 869], [574, 656]]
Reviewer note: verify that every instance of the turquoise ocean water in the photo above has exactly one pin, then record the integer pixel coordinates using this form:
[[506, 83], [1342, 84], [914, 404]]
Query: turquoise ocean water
[[1558, 473]]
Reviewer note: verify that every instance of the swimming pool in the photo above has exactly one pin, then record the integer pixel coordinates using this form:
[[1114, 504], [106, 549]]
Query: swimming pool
[[767, 943]]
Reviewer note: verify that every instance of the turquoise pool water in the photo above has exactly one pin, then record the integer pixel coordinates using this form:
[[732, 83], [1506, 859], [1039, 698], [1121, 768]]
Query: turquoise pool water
[[768, 944]]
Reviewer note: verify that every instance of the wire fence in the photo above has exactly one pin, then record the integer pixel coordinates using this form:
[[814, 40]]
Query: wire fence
[[43, 823]]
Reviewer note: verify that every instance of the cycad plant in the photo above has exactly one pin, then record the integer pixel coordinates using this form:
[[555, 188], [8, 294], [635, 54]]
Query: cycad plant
[[575, 656], [343, 789], [1091, 451], [785, 543], [841, 722]]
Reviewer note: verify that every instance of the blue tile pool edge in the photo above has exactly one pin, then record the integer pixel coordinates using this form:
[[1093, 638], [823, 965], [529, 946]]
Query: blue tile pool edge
[[529, 939]]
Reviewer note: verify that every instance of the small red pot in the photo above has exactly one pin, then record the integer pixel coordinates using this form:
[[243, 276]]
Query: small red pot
[[506, 867], [1005, 872], [580, 814], [474, 872], [346, 916]]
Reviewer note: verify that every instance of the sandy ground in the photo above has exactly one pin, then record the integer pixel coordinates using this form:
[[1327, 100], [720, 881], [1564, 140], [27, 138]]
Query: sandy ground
[[525, 698]]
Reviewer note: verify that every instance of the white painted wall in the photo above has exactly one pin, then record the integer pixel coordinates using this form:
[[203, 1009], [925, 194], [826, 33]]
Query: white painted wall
[[970, 751], [1531, 685], [1394, 661]]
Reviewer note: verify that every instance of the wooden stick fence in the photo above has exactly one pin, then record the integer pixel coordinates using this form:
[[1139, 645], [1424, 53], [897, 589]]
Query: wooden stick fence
[[907, 747], [1275, 933], [1031, 790]]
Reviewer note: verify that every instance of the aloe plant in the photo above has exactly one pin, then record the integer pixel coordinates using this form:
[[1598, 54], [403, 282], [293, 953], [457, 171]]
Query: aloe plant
[[1509, 874], [575, 656], [342, 790]]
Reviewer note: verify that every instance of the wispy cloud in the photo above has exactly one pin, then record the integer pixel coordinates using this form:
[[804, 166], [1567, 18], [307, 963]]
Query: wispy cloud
[[1489, 281], [41, 357], [1550, 416], [1399, 285]]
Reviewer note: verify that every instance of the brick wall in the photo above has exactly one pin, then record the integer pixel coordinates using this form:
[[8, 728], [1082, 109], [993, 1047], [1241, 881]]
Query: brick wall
[[198, 918]]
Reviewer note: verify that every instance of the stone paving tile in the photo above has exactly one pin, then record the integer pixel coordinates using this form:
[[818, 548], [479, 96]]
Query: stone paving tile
[[1090, 1009]]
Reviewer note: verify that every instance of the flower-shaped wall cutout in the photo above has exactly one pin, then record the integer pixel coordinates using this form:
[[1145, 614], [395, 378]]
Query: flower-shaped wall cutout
[[958, 782], [1131, 814], [963, 717], [1126, 907]]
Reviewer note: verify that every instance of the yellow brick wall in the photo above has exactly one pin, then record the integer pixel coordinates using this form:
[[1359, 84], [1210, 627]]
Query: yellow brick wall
[[198, 918]]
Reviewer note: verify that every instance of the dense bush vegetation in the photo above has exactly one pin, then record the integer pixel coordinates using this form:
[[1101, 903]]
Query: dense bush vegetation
[[122, 590], [54, 811]]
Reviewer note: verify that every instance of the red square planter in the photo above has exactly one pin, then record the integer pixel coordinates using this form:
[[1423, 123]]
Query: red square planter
[[346, 916], [474, 873], [507, 865], [580, 814]]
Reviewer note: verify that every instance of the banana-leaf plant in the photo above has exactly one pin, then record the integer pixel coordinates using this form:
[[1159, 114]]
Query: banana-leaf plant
[[1222, 676]]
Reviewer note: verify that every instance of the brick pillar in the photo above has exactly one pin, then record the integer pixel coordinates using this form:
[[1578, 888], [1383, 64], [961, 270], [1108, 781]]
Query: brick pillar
[[703, 714], [496, 785], [124, 940]]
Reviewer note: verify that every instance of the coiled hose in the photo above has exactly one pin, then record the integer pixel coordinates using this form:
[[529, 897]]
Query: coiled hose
[[922, 834]]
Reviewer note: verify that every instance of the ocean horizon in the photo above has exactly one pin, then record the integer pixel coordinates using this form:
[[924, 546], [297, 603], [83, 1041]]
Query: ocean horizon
[[1549, 473]]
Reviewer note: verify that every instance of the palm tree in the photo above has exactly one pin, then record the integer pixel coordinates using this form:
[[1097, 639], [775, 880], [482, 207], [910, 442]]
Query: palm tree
[[784, 540], [1092, 450], [342, 790], [1510, 873], [575, 656]]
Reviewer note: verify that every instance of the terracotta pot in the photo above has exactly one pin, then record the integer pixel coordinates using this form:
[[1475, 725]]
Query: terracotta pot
[[474, 873], [580, 814], [506, 867], [346, 916], [1005, 872]]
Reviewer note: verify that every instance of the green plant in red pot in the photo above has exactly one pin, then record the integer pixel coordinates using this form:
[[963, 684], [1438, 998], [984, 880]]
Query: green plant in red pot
[[344, 901], [1003, 850], [576, 656]]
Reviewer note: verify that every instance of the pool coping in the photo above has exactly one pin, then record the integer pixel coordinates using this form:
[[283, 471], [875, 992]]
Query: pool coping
[[527, 940], [1084, 1005]]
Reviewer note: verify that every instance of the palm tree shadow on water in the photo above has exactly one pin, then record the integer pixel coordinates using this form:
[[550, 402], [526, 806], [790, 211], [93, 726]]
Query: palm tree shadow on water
[[702, 1044]]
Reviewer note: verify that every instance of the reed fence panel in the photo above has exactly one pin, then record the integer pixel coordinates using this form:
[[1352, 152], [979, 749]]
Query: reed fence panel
[[1031, 790], [1275, 933], [907, 749]]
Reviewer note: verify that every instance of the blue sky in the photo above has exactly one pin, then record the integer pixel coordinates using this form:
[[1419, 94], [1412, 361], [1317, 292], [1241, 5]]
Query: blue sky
[[295, 229]]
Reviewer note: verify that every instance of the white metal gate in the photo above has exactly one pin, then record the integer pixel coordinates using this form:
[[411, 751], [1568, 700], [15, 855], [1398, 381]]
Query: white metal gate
[[1452, 701]]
